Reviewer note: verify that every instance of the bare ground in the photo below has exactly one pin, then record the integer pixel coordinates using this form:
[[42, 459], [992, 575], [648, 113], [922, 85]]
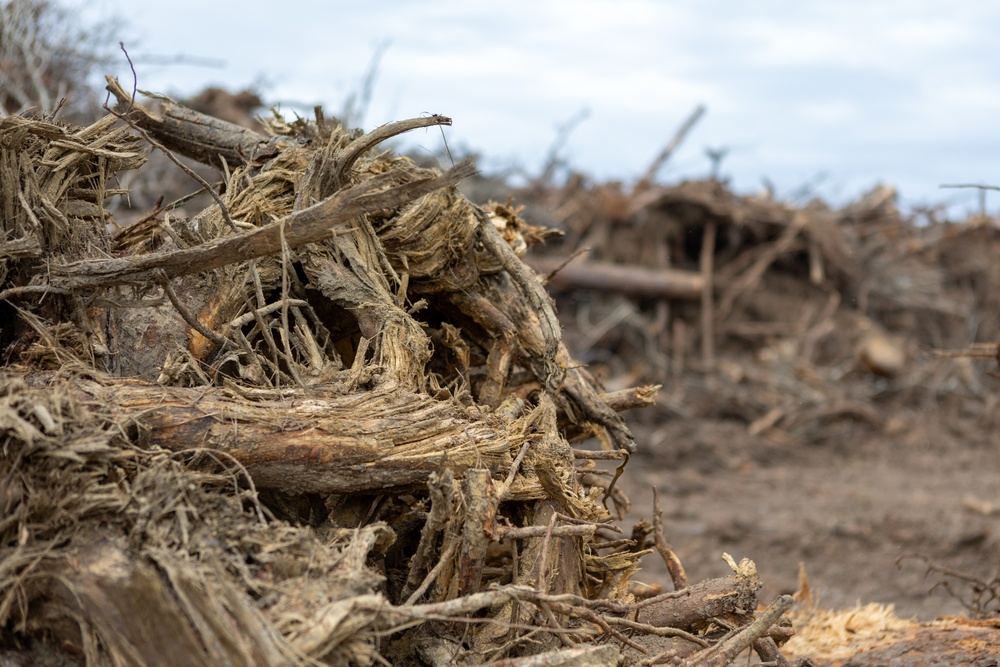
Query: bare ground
[[851, 509]]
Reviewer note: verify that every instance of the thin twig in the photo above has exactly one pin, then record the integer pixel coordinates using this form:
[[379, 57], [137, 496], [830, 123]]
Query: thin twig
[[668, 150], [504, 490], [673, 563], [189, 317], [443, 560], [541, 531], [586, 614], [648, 629], [173, 158], [33, 289], [135, 77], [707, 305], [726, 651]]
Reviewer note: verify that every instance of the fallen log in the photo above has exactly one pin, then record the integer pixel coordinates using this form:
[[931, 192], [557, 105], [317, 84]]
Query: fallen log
[[312, 441], [635, 280], [323, 440]]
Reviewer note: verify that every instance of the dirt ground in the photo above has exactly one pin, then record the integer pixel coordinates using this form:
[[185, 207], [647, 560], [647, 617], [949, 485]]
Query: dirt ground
[[849, 508]]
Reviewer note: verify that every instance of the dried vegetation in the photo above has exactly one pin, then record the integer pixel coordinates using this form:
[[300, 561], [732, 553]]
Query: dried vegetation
[[328, 419]]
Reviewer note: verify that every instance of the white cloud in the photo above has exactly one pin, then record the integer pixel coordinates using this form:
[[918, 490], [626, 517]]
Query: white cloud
[[796, 86], [836, 112]]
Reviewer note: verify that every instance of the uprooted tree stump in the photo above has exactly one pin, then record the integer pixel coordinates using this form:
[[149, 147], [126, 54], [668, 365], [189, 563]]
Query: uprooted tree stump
[[329, 419]]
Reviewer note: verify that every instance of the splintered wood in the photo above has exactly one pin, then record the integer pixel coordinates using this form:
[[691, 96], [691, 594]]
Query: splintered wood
[[326, 420]]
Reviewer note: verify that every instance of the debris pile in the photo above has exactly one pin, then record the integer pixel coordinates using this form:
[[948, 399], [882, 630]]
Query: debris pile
[[797, 311], [329, 419], [798, 347]]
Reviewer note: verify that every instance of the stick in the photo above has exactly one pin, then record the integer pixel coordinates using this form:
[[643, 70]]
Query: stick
[[725, 652], [751, 276], [638, 281], [673, 563], [677, 343], [320, 221], [707, 305], [192, 134], [668, 150]]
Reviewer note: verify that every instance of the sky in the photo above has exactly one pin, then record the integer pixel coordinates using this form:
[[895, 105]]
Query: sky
[[828, 98]]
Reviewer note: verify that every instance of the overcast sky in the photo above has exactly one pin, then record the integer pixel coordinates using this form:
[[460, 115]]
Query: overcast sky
[[905, 92]]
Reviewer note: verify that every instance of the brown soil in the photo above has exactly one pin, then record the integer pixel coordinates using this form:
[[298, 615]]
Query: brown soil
[[848, 508]]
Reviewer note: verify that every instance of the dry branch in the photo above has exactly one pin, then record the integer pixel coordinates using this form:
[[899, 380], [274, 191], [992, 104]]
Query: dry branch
[[638, 281], [193, 134], [706, 262], [691, 607], [669, 149], [320, 221]]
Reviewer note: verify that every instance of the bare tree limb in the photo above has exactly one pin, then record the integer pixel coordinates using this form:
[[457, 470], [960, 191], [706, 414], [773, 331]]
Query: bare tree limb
[[669, 149], [327, 218]]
